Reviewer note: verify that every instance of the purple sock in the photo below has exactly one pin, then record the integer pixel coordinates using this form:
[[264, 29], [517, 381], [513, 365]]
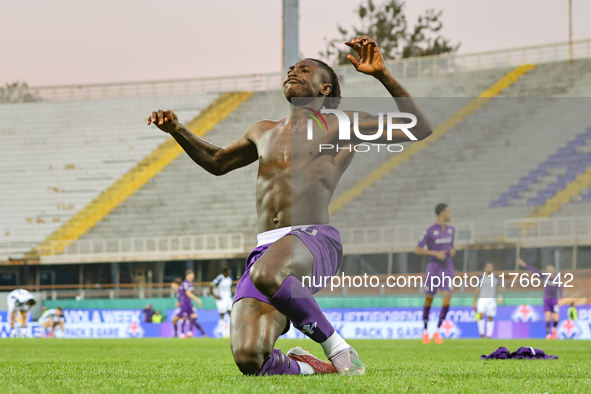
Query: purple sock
[[175, 327], [426, 315], [548, 327], [197, 326], [279, 364], [297, 303], [442, 314]]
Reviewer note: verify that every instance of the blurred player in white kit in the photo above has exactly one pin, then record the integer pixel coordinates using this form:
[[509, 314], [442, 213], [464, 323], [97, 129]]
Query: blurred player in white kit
[[51, 319], [19, 303], [485, 301], [221, 289], [223, 294]]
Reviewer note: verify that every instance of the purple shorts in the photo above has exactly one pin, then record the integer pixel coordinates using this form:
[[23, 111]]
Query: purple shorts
[[186, 310], [323, 241], [551, 305], [436, 269]]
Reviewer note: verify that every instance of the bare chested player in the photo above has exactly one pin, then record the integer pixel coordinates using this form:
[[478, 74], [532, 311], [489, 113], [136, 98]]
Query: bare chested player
[[294, 187]]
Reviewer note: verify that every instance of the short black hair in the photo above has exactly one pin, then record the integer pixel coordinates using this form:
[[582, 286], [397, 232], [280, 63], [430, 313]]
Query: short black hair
[[59, 308], [178, 281], [440, 207], [333, 99]]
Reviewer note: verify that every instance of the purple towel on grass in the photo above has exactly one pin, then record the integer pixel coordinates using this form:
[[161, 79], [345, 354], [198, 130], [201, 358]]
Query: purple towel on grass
[[523, 353]]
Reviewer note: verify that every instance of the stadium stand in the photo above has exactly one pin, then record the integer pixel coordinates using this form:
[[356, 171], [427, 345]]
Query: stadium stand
[[484, 149], [184, 199], [55, 158], [481, 157]]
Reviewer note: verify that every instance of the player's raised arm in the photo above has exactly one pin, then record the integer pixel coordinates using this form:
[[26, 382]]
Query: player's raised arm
[[371, 63], [192, 296], [528, 267], [215, 160]]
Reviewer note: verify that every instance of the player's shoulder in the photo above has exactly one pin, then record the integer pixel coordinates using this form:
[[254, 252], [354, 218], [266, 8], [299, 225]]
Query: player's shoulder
[[434, 227], [262, 126]]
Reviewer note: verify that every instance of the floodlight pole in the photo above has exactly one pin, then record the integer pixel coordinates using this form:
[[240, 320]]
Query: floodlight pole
[[291, 49], [570, 31]]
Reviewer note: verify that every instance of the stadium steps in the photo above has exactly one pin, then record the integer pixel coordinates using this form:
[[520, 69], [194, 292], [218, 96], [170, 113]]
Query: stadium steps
[[439, 131], [55, 158], [482, 157], [141, 173], [565, 195], [185, 199]]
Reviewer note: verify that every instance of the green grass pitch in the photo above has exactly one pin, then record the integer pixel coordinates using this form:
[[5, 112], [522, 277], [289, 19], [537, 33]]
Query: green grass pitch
[[206, 366]]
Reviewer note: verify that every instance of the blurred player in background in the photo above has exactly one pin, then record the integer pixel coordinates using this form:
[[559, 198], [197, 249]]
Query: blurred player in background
[[572, 312], [176, 316], [50, 319], [221, 289], [439, 239], [187, 312], [485, 301], [295, 239], [19, 303], [552, 294]]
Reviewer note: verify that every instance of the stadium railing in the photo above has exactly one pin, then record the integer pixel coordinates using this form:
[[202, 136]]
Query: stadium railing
[[526, 233], [359, 240], [107, 290], [207, 246], [401, 68], [215, 246], [554, 231]]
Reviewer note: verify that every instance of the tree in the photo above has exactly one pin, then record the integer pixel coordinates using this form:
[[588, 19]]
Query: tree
[[387, 24], [17, 92]]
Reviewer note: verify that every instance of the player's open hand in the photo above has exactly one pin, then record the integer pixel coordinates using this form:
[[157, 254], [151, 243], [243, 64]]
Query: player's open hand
[[370, 60], [166, 121]]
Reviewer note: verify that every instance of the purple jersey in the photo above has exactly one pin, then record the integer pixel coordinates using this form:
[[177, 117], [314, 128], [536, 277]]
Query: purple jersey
[[182, 292], [551, 289], [440, 239]]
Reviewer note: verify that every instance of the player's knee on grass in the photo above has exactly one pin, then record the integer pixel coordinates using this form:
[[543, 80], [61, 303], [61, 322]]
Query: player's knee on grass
[[249, 359]]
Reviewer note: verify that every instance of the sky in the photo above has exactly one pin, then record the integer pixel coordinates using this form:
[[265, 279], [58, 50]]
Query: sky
[[62, 42]]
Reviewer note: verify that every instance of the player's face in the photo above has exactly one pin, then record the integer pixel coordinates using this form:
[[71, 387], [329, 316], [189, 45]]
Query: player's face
[[227, 273], [174, 286], [58, 312], [550, 269], [190, 277], [304, 79], [488, 268], [446, 214]]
